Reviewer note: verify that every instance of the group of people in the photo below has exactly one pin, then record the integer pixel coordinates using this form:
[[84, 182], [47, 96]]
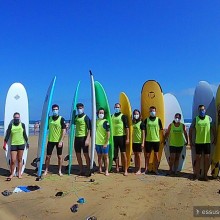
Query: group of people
[[148, 135]]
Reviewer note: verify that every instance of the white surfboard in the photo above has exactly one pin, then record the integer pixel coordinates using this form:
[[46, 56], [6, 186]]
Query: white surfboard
[[16, 101], [172, 107], [93, 121], [44, 125], [203, 95]]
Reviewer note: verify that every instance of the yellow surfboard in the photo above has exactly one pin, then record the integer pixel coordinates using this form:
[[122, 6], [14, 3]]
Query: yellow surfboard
[[216, 154], [152, 95], [126, 110]]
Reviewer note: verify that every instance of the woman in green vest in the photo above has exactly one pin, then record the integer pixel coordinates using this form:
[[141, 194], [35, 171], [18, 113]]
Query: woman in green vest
[[16, 131], [178, 138], [138, 139], [102, 140]]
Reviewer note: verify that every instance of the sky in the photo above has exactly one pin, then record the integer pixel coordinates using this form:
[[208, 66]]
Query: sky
[[124, 43]]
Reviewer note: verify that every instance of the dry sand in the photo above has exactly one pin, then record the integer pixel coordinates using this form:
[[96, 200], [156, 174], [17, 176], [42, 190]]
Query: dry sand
[[113, 197]]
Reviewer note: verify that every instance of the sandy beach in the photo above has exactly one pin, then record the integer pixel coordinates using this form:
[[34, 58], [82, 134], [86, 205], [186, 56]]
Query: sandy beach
[[112, 197]]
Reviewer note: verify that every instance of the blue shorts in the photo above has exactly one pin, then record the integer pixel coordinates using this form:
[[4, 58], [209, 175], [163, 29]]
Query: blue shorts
[[101, 150]]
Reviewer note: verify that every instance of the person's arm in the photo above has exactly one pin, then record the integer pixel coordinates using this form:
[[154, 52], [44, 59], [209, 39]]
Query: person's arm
[[63, 127], [192, 130], [213, 130], [25, 135], [167, 133], [142, 127], [161, 129], [89, 127], [185, 134], [125, 122], [7, 136], [106, 126]]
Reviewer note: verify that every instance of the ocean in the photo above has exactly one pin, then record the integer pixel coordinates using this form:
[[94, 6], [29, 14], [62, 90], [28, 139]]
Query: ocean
[[32, 122]]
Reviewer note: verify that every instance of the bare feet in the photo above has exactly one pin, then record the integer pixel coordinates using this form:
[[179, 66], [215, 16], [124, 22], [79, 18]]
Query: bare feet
[[19, 177], [60, 173], [125, 173], [138, 172], [107, 173], [45, 173]]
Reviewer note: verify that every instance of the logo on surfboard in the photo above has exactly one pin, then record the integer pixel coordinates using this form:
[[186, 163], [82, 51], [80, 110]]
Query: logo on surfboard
[[17, 97], [151, 95]]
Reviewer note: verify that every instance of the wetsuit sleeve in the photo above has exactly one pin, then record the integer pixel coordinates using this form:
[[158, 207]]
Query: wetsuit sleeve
[[62, 122], [142, 126], [106, 126], [125, 121], [8, 132], [160, 124], [193, 124], [24, 133], [88, 123]]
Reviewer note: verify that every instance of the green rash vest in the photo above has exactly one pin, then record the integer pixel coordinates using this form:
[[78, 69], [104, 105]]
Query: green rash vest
[[101, 133], [118, 126], [55, 130], [137, 133], [81, 128], [177, 136], [17, 135], [202, 130], [152, 130]]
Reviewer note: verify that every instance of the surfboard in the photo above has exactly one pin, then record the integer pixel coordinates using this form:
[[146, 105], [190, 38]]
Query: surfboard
[[152, 95], [44, 126], [72, 128], [216, 154], [203, 95], [93, 121], [172, 107], [16, 101], [102, 101], [126, 110]]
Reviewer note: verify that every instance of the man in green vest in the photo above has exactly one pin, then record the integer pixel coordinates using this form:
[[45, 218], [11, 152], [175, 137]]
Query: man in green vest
[[152, 140], [82, 137], [120, 137], [57, 131], [203, 128]]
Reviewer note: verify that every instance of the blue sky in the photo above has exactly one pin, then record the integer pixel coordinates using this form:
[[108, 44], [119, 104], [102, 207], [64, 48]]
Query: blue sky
[[124, 43]]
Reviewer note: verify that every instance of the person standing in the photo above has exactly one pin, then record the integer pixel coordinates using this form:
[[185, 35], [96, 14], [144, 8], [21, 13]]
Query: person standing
[[82, 137], [19, 140], [138, 139], [178, 138], [153, 126], [120, 137], [102, 140], [203, 128], [57, 131]]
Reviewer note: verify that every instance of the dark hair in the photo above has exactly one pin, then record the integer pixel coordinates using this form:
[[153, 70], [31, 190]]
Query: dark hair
[[79, 105], [99, 110], [200, 106], [178, 114], [118, 104], [136, 110], [16, 113], [153, 107], [55, 106]]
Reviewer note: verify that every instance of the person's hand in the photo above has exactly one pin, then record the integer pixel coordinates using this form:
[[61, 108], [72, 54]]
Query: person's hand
[[127, 141], [142, 146], [4, 145], [105, 145], [60, 144], [27, 145], [87, 143]]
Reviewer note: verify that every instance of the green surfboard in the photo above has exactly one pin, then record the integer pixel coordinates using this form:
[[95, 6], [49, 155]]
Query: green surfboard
[[72, 127], [102, 101]]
